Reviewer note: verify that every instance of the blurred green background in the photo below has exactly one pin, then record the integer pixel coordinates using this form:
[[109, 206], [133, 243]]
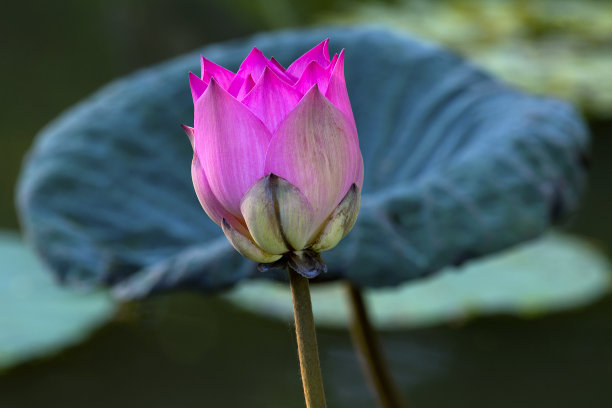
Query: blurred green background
[[186, 350]]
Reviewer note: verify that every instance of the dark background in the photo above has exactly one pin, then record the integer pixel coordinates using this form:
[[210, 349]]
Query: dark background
[[193, 351]]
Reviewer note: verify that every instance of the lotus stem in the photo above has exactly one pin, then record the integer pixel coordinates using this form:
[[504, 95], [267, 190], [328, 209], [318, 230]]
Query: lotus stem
[[308, 352], [368, 348]]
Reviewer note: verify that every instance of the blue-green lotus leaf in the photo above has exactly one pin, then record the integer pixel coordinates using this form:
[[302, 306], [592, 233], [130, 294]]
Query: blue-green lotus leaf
[[457, 165], [37, 317]]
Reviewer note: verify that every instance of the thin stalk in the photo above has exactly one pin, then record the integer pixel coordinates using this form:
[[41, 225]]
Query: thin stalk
[[367, 344], [308, 352]]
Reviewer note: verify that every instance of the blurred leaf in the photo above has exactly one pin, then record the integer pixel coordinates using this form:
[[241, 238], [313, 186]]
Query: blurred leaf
[[37, 317], [555, 47], [457, 165], [553, 273]]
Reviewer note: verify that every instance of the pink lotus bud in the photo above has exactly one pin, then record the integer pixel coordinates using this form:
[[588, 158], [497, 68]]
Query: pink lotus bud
[[276, 156]]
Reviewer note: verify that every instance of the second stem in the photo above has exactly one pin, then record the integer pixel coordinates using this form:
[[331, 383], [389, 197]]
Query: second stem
[[367, 344]]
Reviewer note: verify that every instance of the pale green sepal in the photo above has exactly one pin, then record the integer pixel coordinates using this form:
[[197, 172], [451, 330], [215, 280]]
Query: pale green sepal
[[341, 221], [245, 246], [257, 208], [278, 215], [295, 213]]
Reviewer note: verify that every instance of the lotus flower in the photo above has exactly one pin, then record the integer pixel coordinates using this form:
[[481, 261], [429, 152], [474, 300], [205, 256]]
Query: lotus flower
[[276, 156]]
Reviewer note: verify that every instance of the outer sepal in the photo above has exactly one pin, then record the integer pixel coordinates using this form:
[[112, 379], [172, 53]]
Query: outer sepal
[[278, 215], [245, 246], [341, 221]]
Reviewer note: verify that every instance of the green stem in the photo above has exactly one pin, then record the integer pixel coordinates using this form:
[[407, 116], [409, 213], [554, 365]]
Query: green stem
[[308, 352], [367, 344]]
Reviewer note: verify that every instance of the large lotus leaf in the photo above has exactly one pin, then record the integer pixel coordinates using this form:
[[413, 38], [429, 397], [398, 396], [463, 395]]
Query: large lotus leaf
[[36, 316], [457, 165], [555, 272]]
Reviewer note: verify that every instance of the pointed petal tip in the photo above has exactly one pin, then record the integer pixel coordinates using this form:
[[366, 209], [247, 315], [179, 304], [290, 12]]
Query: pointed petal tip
[[197, 85], [278, 64], [246, 87], [319, 53], [210, 69], [257, 51], [189, 131], [313, 92], [326, 48], [272, 98], [314, 73], [213, 86], [266, 72]]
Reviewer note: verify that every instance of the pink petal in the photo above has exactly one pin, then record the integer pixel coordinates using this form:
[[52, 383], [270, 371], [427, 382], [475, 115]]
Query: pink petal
[[221, 75], [336, 90], [190, 133], [313, 74], [277, 64], [281, 71], [246, 87], [271, 99], [314, 149], [208, 201], [319, 53], [332, 64], [197, 86], [231, 144], [338, 95], [253, 64], [235, 86]]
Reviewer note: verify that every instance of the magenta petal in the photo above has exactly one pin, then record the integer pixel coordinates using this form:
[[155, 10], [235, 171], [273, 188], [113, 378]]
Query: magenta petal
[[221, 75], [190, 133], [313, 74], [197, 86], [332, 64], [254, 64], [336, 90], [338, 95], [277, 64], [235, 86], [281, 71], [319, 53], [208, 201], [231, 144], [315, 149], [271, 99], [246, 87]]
